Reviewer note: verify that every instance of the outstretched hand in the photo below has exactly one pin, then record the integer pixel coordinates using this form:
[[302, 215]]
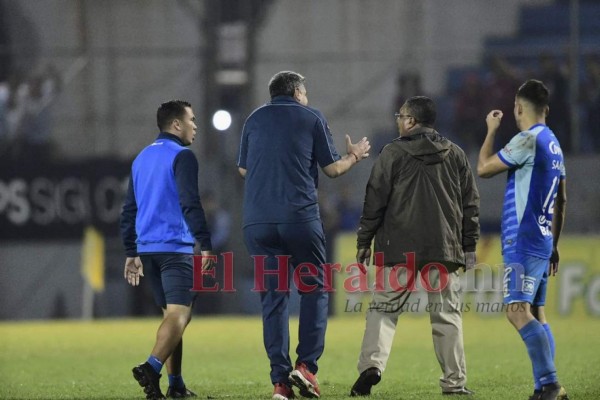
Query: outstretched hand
[[554, 258], [133, 270], [208, 260], [359, 149]]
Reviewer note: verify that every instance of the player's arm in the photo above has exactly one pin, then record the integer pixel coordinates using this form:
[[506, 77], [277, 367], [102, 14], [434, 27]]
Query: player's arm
[[355, 153], [127, 223], [133, 265], [185, 168], [558, 220], [470, 222], [490, 164], [243, 153]]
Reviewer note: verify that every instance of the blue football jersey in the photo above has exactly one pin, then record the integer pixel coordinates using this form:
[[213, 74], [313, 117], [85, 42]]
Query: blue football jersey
[[536, 167]]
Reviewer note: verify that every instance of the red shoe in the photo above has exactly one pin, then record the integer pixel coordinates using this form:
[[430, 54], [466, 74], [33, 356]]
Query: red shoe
[[305, 381], [281, 391]]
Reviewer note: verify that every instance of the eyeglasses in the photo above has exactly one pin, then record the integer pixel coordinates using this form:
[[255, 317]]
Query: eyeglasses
[[402, 116]]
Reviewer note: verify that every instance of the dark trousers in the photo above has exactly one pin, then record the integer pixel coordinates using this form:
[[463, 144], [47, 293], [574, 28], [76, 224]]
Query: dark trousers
[[303, 243]]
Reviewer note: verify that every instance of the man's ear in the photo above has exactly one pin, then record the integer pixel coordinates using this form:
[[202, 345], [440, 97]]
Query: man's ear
[[413, 123], [546, 111], [176, 124], [519, 108]]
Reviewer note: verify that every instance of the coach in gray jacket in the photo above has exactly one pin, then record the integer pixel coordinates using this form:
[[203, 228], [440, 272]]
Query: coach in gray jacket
[[422, 208]]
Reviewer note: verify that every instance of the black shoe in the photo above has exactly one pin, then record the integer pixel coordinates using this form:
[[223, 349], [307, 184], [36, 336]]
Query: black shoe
[[149, 379], [536, 395], [460, 392], [553, 391], [367, 379], [175, 393]]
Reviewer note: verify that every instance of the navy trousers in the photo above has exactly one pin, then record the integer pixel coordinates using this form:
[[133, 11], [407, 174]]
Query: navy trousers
[[299, 249]]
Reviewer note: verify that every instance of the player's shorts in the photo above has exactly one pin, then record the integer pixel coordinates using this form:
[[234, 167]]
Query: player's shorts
[[525, 279], [171, 276]]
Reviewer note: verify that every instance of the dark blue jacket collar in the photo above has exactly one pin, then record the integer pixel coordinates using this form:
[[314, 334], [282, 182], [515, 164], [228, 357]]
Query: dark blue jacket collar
[[283, 99], [170, 136]]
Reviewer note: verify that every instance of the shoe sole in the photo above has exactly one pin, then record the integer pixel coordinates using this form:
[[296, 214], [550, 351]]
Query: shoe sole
[[562, 395], [143, 381], [306, 388], [279, 397]]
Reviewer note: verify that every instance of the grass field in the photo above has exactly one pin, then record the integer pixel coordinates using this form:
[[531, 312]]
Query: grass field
[[224, 359]]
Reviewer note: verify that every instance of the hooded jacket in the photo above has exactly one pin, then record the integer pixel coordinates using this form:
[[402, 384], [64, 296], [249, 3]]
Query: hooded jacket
[[421, 197]]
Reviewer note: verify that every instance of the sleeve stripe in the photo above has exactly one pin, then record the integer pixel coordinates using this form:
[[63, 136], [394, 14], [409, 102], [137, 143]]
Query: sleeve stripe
[[504, 160]]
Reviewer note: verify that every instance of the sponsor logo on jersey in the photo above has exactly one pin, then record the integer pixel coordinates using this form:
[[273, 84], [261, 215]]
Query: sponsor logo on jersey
[[528, 285], [554, 148]]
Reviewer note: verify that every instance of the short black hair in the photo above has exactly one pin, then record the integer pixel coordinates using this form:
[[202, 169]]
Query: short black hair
[[285, 83], [169, 111], [422, 109], [536, 93]]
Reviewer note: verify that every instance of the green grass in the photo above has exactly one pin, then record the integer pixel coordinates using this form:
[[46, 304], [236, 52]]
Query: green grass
[[224, 359]]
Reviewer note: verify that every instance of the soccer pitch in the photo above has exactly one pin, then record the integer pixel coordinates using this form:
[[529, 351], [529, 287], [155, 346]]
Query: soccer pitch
[[224, 359]]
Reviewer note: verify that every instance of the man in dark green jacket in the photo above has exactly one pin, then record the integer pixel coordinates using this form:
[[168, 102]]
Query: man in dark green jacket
[[422, 208]]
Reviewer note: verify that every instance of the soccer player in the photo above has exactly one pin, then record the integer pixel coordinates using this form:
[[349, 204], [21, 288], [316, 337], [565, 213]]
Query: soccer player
[[283, 143], [532, 219], [162, 219]]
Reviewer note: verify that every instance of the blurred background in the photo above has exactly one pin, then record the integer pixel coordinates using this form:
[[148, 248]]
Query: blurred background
[[80, 82]]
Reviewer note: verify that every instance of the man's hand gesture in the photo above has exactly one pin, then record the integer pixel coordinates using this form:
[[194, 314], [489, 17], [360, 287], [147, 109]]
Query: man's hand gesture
[[133, 270], [360, 150], [363, 257], [554, 258]]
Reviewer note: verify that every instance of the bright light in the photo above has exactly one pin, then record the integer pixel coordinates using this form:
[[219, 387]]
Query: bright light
[[221, 120]]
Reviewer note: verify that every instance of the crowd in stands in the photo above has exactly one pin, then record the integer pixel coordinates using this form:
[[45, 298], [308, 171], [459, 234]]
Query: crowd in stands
[[495, 88], [26, 129], [25, 125]]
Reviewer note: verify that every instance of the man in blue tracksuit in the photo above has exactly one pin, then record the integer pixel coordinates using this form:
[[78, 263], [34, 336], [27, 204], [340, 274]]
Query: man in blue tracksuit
[[162, 220], [283, 143]]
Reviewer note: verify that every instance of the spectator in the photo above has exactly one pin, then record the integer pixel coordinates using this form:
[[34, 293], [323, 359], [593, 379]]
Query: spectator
[[35, 131], [330, 215], [500, 86], [15, 105], [4, 95], [591, 96], [349, 211], [408, 85], [468, 123], [559, 118], [25, 125], [219, 223]]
